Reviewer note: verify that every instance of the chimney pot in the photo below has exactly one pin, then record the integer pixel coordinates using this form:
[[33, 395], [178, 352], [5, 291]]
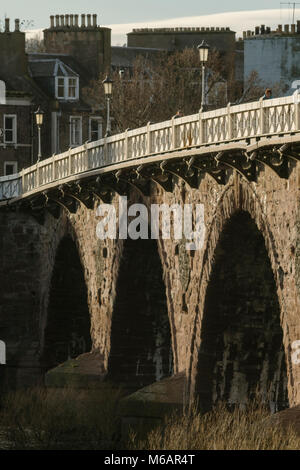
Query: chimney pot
[[7, 25], [62, 21], [256, 30], [95, 21], [67, 20], [76, 21], [286, 28], [262, 29], [88, 21], [83, 21], [57, 21], [71, 21], [293, 28], [280, 28], [17, 24], [51, 21], [298, 26], [244, 34]]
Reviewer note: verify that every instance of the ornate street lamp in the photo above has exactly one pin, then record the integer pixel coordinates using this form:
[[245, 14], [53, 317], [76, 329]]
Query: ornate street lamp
[[39, 118], [203, 49], [107, 83]]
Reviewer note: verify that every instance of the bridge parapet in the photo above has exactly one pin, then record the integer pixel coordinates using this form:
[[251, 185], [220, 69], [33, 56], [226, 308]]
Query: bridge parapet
[[239, 123]]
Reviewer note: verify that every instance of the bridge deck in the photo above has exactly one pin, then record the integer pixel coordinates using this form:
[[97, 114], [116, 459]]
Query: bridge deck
[[243, 128]]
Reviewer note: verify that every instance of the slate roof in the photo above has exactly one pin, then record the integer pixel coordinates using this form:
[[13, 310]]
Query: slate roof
[[66, 59], [124, 56], [50, 68]]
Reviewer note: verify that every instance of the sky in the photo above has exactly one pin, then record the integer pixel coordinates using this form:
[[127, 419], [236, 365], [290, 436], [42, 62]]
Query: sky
[[124, 15]]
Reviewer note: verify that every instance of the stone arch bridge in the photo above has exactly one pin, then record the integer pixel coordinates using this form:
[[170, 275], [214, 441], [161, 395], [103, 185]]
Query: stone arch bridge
[[226, 317]]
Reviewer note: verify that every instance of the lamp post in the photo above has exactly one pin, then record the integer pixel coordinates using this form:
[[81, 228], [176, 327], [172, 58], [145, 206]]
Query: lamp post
[[107, 83], [203, 49], [39, 117]]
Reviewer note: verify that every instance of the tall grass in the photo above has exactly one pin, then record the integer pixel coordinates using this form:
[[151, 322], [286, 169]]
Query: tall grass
[[220, 429], [90, 419], [61, 418]]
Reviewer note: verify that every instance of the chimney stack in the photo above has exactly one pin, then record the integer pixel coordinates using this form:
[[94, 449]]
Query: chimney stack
[[12, 51]]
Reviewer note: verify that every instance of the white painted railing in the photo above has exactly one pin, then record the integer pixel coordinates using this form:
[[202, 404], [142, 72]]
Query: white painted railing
[[260, 118]]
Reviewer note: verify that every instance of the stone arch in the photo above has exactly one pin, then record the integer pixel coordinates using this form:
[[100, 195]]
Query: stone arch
[[239, 195], [241, 349], [67, 327], [141, 349]]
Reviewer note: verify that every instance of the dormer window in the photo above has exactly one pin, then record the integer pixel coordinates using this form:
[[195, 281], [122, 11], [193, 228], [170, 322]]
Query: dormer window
[[66, 82], [67, 88]]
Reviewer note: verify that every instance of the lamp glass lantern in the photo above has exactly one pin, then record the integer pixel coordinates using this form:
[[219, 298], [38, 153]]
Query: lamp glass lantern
[[39, 117], [203, 49], [107, 83]]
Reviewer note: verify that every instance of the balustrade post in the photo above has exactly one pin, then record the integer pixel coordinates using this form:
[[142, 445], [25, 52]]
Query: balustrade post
[[148, 139], [201, 133], [105, 151], [261, 117], [126, 144], [296, 110], [22, 181], [86, 156], [173, 134], [229, 122], [69, 162], [37, 175], [53, 169]]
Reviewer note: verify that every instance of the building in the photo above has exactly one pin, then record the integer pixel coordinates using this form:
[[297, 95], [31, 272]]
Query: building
[[172, 39], [273, 54], [52, 80]]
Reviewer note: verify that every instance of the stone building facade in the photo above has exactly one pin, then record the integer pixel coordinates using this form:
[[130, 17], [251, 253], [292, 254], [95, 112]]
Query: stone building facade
[[52, 80], [274, 55]]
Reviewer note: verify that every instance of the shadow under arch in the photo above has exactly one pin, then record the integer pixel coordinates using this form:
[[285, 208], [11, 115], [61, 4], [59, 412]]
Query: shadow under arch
[[67, 330], [241, 350], [141, 347]]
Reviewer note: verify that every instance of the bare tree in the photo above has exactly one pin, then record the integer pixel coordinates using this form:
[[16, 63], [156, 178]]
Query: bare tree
[[153, 90]]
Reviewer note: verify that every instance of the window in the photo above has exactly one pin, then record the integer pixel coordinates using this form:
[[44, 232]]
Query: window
[[67, 88], [75, 131], [95, 128], [10, 168], [10, 129], [60, 88]]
